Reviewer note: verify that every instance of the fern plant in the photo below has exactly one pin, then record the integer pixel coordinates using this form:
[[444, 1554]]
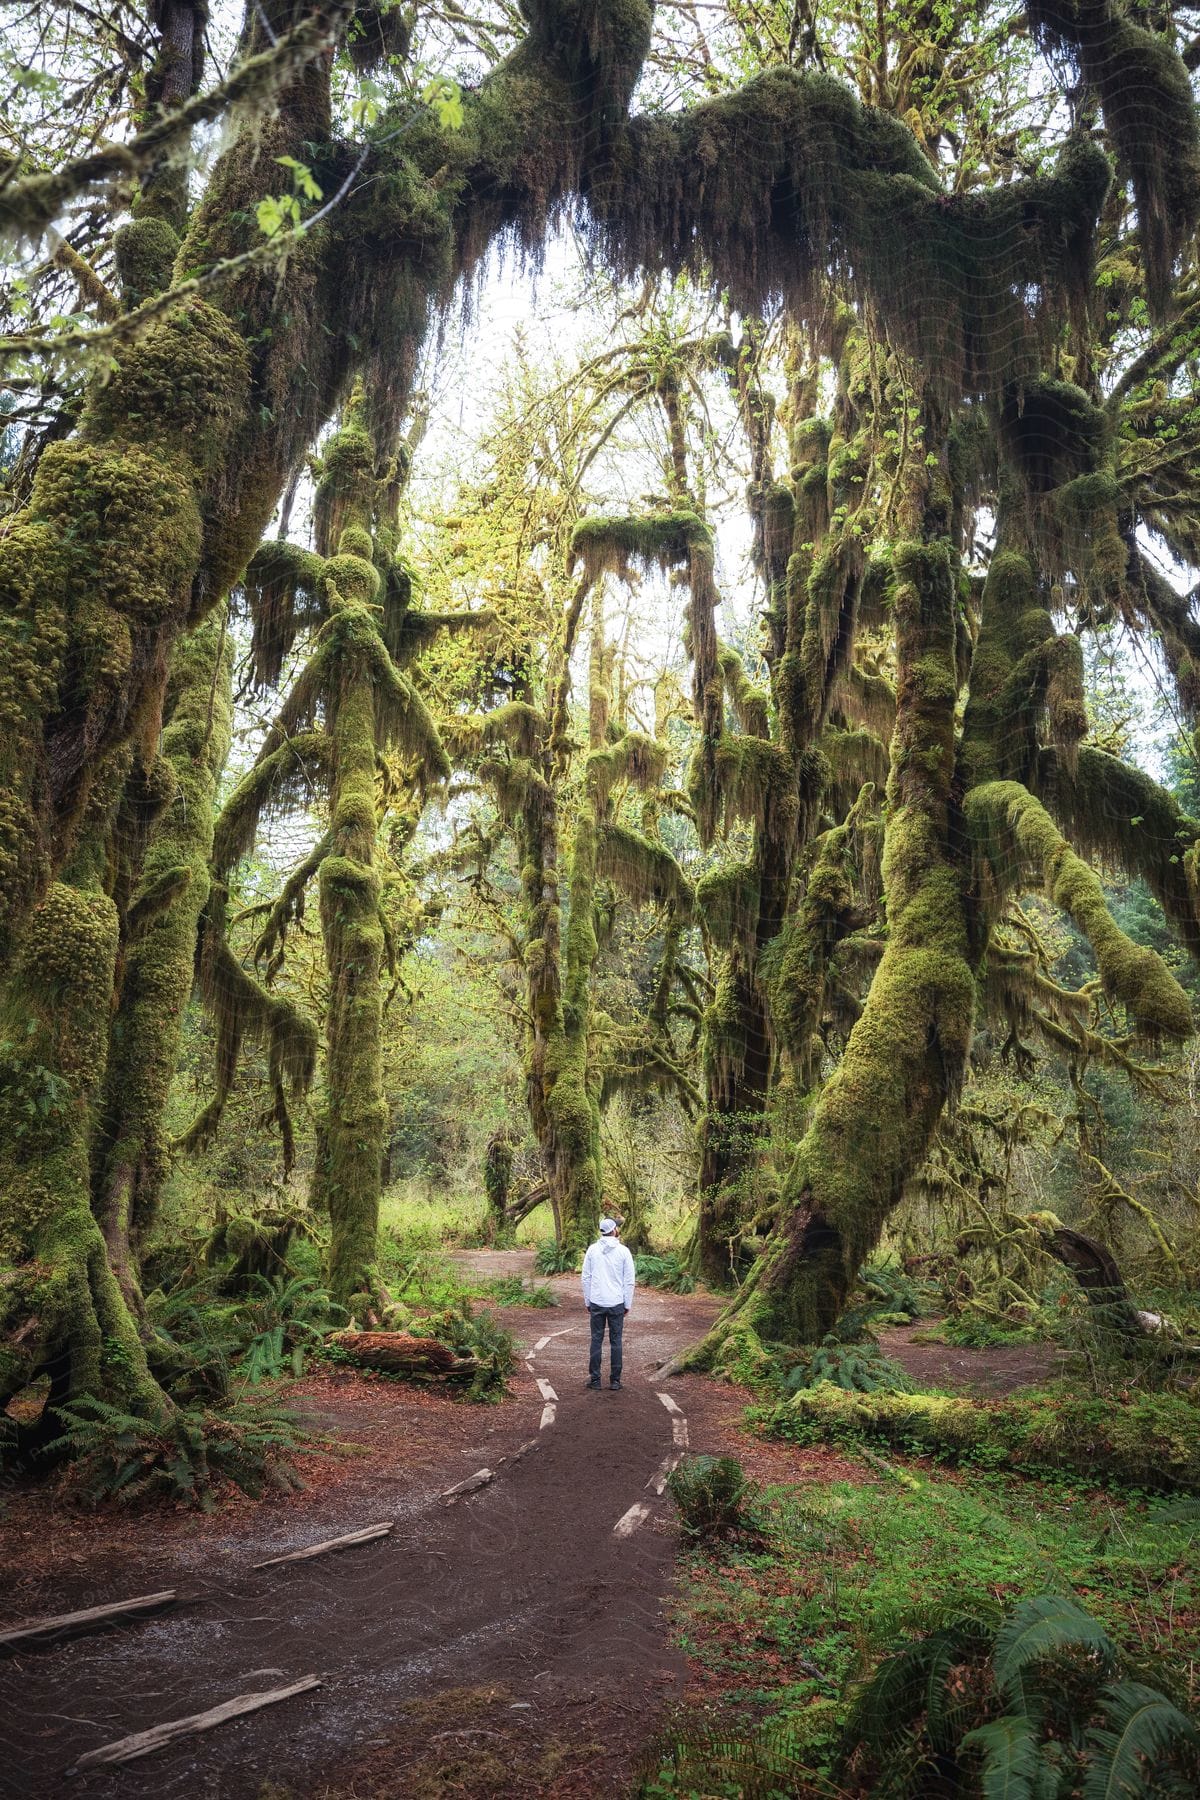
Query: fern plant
[[1032, 1707], [284, 1318], [664, 1271], [554, 1258], [858, 1368], [712, 1494], [194, 1341], [180, 1455]]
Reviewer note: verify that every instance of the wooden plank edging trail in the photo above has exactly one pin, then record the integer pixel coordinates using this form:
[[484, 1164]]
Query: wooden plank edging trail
[[75, 1624], [144, 1743]]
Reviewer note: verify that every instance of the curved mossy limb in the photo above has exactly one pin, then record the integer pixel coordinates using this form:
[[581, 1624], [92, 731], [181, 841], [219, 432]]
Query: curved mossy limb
[[61, 1307], [1115, 813], [1017, 843], [159, 949]]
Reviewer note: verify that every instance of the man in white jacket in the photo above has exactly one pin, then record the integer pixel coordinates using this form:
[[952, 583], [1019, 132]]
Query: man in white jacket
[[608, 1295]]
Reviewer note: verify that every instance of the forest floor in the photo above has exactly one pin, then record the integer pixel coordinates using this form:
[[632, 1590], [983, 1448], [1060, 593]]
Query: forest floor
[[515, 1641]]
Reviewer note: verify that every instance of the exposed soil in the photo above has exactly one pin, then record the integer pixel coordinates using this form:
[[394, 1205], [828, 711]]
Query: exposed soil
[[990, 1373], [506, 1644]]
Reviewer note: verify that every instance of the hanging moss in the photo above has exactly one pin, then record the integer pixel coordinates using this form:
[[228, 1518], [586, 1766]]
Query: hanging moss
[[635, 759], [750, 704], [727, 903], [863, 698], [625, 546], [1149, 113], [280, 781], [767, 189], [516, 724], [282, 585], [855, 759], [1169, 616], [754, 780], [1017, 842], [642, 869]]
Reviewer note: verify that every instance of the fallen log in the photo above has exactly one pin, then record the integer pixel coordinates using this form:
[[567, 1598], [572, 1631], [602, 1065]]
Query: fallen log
[[399, 1353], [143, 1743], [93, 1618]]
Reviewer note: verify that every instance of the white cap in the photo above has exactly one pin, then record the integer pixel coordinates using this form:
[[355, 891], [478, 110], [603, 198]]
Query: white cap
[[607, 1227]]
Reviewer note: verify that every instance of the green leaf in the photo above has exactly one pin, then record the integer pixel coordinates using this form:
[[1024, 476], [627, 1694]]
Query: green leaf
[[445, 97], [1048, 1625], [269, 216], [1013, 1767]]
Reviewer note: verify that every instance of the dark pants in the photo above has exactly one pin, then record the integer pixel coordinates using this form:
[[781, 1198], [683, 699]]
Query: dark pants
[[614, 1317]]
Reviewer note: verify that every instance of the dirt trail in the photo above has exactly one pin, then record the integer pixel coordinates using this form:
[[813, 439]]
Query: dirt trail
[[514, 1622], [511, 1644]]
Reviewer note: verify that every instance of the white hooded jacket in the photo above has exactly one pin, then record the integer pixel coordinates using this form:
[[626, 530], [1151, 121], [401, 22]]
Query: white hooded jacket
[[608, 1274]]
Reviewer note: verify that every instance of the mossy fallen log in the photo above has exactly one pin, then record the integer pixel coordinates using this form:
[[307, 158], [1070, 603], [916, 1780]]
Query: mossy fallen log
[[398, 1353], [1145, 1441]]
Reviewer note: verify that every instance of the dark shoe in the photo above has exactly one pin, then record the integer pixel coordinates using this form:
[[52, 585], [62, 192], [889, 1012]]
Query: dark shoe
[[592, 1384], [612, 1384]]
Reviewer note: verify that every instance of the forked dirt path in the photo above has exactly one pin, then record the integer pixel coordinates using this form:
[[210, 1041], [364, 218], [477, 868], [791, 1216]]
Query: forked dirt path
[[509, 1642]]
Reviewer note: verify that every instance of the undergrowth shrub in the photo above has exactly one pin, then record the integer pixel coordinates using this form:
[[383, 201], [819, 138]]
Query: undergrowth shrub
[[183, 1455], [890, 1287], [713, 1495], [720, 1764], [510, 1290]]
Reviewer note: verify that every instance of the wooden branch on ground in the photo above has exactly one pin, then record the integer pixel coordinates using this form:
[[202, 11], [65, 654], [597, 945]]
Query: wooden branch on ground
[[365, 1536], [144, 1743], [94, 1618]]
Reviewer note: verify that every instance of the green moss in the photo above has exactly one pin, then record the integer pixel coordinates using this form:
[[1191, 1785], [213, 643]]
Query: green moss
[[160, 946], [1149, 113], [144, 252], [727, 902], [948, 275], [65, 1305], [1119, 814], [1140, 1440], [794, 965], [642, 868], [623, 546]]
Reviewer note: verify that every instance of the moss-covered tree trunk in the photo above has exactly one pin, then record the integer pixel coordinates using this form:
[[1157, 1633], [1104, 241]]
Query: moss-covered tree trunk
[[158, 952], [349, 1169], [907, 1053], [61, 1306]]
